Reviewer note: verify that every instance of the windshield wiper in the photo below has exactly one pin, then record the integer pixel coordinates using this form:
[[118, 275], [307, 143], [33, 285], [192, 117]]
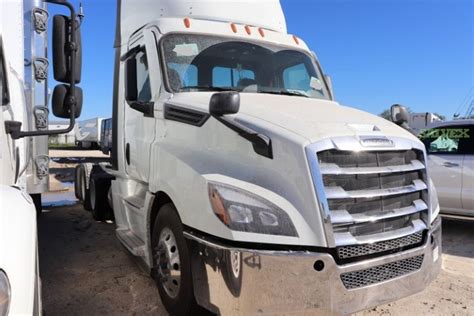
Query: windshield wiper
[[285, 92], [208, 88]]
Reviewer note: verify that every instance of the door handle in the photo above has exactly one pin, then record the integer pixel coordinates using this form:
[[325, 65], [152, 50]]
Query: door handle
[[127, 153], [450, 164]]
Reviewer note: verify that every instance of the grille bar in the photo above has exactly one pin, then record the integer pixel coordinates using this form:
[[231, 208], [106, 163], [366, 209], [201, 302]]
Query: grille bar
[[347, 252], [343, 217], [385, 272], [347, 238], [340, 193], [334, 169], [370, 195]]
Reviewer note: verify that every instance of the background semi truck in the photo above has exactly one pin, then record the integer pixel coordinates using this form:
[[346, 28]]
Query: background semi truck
[[241, 184], [88, 133], [24, 161]]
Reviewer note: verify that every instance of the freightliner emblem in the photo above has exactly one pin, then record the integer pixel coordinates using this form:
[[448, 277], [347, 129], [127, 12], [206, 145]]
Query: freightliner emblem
[[376, 141]]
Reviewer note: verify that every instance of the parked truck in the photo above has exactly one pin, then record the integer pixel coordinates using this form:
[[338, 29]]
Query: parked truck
[[450, 148], [88, 133], [421, 121], [24, 162], [240, 183], [106, 136]]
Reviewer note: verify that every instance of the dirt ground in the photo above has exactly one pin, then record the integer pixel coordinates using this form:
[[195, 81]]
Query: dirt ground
[[85, 271]]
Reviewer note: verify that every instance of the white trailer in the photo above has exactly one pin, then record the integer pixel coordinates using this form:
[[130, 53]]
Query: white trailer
[[88, 133], [421, 121], [24, 137], [239, 181]]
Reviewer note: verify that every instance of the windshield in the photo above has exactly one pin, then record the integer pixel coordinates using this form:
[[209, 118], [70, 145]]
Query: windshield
[[211, 63]]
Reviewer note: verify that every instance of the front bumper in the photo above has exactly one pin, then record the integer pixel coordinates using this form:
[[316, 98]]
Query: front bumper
[[277, 282]]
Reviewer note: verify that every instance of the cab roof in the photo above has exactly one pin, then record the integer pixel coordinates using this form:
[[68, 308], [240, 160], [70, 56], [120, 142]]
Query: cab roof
[[134, 14]]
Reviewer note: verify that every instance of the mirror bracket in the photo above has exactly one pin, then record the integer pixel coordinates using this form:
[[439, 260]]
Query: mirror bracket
[[14, 127], [144, 107], [262, 144]]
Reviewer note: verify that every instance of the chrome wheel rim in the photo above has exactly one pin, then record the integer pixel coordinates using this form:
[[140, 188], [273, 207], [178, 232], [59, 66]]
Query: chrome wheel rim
[[168, 263], [235, 263]]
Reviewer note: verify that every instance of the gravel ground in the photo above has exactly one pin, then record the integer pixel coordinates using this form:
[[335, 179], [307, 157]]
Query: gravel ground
[[85, 271]]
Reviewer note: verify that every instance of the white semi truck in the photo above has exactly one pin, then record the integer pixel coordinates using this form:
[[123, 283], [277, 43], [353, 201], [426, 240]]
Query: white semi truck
[[241, 184], [24, 136]]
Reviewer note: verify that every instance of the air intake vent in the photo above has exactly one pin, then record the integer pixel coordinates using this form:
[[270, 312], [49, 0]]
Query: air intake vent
[[184, 115], [347, 252], [385, 272]]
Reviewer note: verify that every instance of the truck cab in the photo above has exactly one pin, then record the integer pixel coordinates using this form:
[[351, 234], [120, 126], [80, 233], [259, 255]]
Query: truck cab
[[242, 185]]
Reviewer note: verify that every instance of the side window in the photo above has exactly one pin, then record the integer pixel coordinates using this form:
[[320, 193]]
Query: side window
[[232, 77], [5, 99], [456, 139], [143, 78], [296, 78]]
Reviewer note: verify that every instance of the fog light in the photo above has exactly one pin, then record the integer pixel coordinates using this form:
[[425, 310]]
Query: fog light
[[319, 265]]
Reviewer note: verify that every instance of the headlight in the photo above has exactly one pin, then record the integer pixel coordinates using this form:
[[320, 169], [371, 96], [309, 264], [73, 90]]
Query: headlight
[[4, 294], [244, 211], [434, 204]]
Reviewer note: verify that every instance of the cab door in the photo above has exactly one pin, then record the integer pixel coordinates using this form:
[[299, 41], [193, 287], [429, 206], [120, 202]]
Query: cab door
[[144, 81], [468, 177], [446, 147]]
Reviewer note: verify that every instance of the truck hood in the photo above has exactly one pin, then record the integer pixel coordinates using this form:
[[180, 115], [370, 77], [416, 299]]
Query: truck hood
[[312, 119]]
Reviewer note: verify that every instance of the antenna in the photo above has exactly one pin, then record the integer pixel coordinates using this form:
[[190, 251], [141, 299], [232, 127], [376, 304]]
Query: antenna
[[81, 15]]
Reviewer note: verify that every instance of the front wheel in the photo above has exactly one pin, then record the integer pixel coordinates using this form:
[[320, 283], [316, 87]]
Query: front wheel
[[172, 264]]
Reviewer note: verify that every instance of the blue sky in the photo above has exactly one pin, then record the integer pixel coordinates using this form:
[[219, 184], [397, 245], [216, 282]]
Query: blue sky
[[378, 52]]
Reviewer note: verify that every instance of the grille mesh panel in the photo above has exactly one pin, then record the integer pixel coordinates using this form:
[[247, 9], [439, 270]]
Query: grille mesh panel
[[385, 272], [381, 246]]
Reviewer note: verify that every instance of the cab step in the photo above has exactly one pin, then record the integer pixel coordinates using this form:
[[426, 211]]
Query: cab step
[[133, 244]]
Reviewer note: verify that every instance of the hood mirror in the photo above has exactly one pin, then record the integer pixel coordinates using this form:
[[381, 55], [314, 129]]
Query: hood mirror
[[224, 103], [316, 84], [399, 114]]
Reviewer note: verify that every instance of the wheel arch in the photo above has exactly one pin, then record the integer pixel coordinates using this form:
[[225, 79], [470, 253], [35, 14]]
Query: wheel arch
[[160, 198]]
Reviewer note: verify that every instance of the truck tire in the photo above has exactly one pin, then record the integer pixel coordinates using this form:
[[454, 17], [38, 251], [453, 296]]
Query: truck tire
[[173, 277], [37, 201], [85, 174], [77, 182], [98, 193]]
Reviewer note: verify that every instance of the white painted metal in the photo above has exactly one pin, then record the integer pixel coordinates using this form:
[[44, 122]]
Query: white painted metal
[[453, 175], [18, 234], [468, 185], [88, 131], [18, 246], [136, 13]]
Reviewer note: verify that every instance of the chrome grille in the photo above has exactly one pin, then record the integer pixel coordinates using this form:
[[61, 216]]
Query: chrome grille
[[347, 252], [374, 195], [385, 272]]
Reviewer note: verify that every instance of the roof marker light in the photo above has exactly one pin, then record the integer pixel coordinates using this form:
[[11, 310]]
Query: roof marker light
[[248, 30], [295, 38], [233, 27], [262, 33], [187, 23]]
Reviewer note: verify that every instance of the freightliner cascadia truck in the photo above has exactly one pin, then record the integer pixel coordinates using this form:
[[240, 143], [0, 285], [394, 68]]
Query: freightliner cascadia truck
[[241, 184], [24, 162]]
